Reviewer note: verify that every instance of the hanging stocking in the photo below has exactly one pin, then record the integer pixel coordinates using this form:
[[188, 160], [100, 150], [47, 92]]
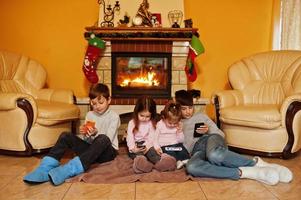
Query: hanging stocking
[[95, 46], [195, 48]]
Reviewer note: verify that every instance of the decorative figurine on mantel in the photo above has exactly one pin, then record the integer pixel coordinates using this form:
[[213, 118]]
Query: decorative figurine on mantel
[[124, 22], [143, 16], [188, 23], [109, 13]]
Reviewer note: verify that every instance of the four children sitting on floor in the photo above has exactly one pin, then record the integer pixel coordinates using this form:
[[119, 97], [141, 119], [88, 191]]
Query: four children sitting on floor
[[164, 145]]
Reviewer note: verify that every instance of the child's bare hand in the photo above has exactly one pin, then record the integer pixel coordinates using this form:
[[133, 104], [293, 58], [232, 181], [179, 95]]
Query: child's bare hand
[[82, 129], [139, 149], [87, 130], [159, 151], [203, 129], [91, 131], [180, 127]]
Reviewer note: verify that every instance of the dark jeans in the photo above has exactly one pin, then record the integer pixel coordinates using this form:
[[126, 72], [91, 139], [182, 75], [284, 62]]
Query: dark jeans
[[99, 151], [178, 155]]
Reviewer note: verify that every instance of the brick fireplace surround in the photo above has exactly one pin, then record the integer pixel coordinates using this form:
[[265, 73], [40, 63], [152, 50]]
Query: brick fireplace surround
[[162, 40], [144, 40]]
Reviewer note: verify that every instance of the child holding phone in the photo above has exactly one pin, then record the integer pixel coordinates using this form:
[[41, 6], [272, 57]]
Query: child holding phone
[[97, 142], [169, 135], [140, 136], [210, 156]]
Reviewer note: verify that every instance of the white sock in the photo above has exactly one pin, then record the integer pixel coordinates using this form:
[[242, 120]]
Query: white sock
[[181, 163], [185, 161], [267, 175], [285, 175]]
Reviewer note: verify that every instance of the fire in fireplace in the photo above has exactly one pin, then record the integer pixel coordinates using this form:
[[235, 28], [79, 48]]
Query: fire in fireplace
[[135, 74]]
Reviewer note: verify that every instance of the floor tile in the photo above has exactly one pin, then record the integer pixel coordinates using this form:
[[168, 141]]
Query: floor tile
[[169, 191], [17, 189], [82, 190], [6, 179], [290, 190], [230, 189]]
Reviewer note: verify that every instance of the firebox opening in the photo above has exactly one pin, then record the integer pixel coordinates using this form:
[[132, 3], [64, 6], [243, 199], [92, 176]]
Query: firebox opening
[[135, 74]]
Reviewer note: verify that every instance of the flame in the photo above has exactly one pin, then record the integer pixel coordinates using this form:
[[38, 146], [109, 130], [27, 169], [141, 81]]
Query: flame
[[147, 80]]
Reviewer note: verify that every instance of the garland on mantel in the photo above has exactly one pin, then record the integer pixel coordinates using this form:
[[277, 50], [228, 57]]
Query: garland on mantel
[[138, 34]]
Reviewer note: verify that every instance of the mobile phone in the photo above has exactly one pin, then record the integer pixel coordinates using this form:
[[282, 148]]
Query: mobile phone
[[196, 126], [140, 144]]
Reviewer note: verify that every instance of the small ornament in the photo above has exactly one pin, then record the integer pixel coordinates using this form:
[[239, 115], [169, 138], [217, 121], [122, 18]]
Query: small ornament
[[137, 20], [175, 18], [188, 23], [145, 15]]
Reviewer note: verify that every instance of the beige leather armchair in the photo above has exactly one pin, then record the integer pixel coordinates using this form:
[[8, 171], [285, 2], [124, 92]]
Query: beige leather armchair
[[31, 116], [261, 115]]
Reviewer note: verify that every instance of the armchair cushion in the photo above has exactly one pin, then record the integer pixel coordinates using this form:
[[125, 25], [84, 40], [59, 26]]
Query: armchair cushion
[[50, 113], [259, 116]]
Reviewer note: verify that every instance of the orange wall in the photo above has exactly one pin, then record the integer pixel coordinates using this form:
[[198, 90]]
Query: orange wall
[[52, 33], [229, 30]]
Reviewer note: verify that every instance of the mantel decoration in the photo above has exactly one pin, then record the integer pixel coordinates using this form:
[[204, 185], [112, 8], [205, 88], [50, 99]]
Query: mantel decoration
[[188, 23], [143, 16], [175, 18], [108, 13]]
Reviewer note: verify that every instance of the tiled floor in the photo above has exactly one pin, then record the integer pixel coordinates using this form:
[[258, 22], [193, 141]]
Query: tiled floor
[[12, 170]]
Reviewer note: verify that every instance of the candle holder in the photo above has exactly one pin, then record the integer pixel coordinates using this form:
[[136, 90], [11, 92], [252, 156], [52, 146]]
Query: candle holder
[[108, 13], [175, 18]]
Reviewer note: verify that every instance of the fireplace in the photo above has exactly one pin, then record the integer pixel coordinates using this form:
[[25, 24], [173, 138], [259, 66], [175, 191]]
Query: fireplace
[[159, 44], [135, 74]]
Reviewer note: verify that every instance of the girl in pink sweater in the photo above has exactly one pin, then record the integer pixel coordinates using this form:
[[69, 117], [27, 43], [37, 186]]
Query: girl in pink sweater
[[169, 136], [140, 136]]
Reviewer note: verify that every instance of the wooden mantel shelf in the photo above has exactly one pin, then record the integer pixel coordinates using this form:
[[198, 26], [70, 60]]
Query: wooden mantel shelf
[[142, 33]]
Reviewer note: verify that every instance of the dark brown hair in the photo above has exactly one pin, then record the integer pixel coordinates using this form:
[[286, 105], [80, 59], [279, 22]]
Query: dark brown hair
[[184, 98], [142, 104], [172, 111], [99, 89]]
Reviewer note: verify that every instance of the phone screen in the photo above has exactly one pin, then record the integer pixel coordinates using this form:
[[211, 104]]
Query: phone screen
[[140, 144], [196, 126]]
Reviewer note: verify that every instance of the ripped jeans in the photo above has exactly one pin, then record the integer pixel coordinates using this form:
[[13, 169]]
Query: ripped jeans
[[211, 158]]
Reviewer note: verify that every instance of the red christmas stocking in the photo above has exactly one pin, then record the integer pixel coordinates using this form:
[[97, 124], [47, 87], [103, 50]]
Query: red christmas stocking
[[95, 46], [195, 49]]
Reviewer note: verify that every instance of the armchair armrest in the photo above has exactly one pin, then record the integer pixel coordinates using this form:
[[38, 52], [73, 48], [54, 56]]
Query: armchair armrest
[[58, 95], [291, 117], [225, 98], [9, 101], [228, 98], [15, 132], [287, 103]]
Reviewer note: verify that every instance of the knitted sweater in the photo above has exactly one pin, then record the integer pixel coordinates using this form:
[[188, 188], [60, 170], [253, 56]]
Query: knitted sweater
[[106, 123], [188, 129]]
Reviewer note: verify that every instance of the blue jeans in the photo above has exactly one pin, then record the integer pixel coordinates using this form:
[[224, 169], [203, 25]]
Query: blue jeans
[[211, 158]]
